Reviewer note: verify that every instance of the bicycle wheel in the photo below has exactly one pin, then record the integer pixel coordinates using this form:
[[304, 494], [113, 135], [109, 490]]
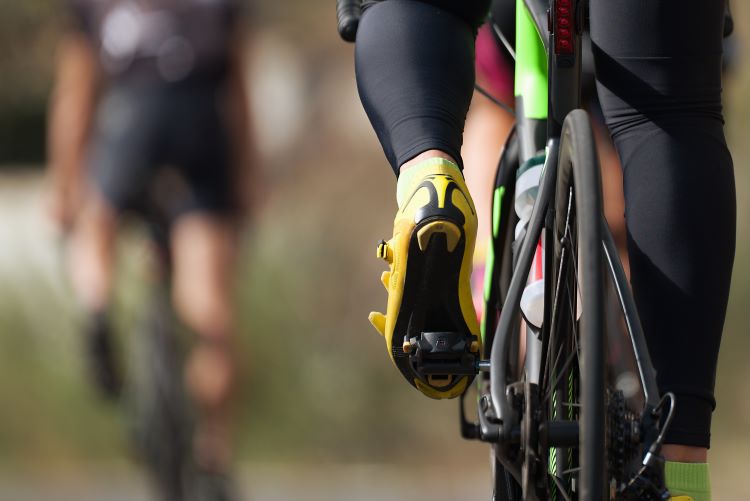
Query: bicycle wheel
[[161, 426], [573, 383], [499, 266], [499, 271]]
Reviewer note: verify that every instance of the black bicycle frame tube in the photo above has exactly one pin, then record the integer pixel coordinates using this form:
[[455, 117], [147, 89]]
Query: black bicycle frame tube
[[646, 370], [564, 74], [509, 315], [564, 96]]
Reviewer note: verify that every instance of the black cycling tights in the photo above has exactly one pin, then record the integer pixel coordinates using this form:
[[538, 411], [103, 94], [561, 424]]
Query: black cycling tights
[[658, 67]]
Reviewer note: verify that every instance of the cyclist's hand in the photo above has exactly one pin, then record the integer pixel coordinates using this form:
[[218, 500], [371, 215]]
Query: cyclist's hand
[[62, 202]]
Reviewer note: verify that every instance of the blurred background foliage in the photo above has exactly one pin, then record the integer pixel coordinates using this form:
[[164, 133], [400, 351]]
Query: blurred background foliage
[[317, 385]]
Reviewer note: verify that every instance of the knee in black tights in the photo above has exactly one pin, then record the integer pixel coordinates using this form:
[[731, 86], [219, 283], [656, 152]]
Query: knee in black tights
[[415, 74]]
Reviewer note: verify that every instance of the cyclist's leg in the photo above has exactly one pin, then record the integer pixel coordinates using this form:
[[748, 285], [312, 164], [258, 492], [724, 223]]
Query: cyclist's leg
[[415, 73], [203, 252], [414, 62], [91, 253], [661, 94], [202, 242], [120, 154], [124, 138], [487, 127]]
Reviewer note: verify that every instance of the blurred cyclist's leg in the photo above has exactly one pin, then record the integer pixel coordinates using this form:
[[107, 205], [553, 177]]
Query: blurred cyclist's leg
[[91, 260], [487, 128], [661, 94], [203, 252], [79, 211], [92, 249]]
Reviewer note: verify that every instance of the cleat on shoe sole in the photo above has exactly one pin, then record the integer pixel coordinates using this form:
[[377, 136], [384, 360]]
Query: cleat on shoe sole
[[450, 230]]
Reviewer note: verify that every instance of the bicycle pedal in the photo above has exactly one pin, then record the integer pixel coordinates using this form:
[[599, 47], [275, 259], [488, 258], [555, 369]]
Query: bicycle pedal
[[436, 354]]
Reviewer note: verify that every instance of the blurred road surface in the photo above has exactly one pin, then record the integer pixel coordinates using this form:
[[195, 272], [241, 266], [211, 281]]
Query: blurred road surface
[[282, 482]]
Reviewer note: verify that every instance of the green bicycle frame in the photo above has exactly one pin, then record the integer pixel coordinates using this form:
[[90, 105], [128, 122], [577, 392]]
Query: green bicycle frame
[[531, 66], [530, 89], [531, 114], [531, 84]]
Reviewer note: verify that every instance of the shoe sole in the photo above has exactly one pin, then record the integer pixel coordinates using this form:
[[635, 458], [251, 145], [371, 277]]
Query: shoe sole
[[430, 301]]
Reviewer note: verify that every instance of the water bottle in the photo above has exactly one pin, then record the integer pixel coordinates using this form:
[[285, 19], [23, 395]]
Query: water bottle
[[527, 187]]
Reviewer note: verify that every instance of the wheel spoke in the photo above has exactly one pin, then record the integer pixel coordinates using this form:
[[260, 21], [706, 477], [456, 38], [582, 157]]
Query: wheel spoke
[[564, 345], [569, 380], [560, 487], [550, 388], [565, 367], [555, 317], [573, 325], [568, 242]]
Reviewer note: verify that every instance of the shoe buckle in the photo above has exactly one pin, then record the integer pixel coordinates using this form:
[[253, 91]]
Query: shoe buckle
[[385, 252]]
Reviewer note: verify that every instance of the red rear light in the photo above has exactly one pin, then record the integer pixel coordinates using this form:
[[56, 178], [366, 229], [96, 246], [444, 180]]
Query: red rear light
[[564, 27]]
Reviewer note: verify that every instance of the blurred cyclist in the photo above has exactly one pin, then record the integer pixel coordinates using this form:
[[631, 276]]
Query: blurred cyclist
[[661, 96], [149, 111]]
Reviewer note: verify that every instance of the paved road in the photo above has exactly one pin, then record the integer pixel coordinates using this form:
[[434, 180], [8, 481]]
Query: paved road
[[265, 483]]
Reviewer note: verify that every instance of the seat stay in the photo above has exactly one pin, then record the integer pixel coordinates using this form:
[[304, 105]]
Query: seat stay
[[646, 372]]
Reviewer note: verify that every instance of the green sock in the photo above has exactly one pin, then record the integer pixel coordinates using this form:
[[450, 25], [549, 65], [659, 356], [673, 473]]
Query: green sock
[[408, 177], [688, 479]]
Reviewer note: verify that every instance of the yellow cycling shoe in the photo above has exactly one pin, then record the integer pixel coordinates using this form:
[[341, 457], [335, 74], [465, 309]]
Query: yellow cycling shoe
[[430, 328]]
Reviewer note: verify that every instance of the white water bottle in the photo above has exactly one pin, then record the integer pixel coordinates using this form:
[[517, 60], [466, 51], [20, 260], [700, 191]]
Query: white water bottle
[[527, 187], [532, 299]]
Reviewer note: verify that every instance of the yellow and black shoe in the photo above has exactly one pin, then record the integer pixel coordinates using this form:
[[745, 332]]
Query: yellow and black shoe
[[430, 328]]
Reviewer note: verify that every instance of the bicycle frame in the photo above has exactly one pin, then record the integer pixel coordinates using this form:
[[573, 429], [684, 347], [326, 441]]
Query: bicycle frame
[[539, 116]]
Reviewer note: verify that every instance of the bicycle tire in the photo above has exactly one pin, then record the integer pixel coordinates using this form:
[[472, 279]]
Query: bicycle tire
[[504, 486], [500, 270], [574, 360], [504, 219], [158, 405]]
